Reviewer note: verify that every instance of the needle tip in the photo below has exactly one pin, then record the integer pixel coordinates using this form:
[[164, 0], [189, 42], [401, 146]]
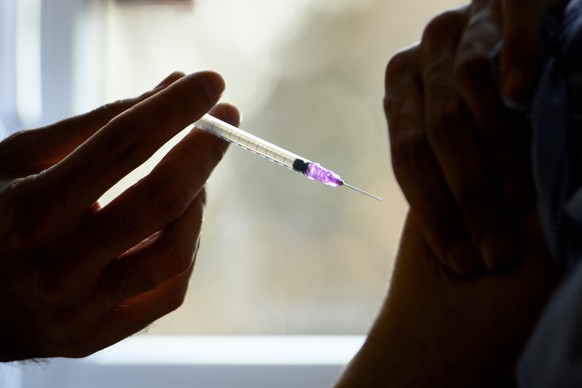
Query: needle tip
[[362, 191]]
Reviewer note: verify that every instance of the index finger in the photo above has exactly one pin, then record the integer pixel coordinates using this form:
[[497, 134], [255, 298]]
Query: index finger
[[131, 138], [61, 138]]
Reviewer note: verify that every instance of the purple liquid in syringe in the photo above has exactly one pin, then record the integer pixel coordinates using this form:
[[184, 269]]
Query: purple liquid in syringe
[[276, 154], [316, 172]]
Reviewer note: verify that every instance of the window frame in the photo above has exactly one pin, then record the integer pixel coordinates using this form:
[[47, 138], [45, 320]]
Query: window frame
[[186, 361]]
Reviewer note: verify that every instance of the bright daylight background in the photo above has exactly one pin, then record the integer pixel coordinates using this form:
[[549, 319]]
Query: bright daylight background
[[279, 254]]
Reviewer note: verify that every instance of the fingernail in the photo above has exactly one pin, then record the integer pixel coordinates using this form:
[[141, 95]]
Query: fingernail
[[214, 86], [498, 249]]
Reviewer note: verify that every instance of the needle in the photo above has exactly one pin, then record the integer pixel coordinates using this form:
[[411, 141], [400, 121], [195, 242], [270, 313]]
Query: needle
[[361, 191], [274, 153]]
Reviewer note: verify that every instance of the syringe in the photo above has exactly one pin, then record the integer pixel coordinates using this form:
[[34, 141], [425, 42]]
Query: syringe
[[274, 153]]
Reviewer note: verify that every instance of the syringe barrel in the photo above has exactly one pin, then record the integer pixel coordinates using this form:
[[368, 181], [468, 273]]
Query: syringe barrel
[[248, 141], [273, 153]]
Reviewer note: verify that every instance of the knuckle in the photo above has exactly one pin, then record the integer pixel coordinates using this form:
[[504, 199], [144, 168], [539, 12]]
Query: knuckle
[[400, 65], [443, 25], [127, 284], [471, 61], [407, 153], [441, 126], [437, 72], [124, 138], [403, 137], [113, 109], [168, 201], [106, 237], [402, 78], [129, 138]]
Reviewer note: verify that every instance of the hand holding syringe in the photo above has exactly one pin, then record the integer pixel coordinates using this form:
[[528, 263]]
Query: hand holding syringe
[[274, 153]]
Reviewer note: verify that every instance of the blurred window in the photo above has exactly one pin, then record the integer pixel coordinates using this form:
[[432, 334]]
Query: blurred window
[[7, 64], [279, 254]]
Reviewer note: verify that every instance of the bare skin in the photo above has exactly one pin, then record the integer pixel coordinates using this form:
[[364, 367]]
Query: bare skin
[[75, 277], [473, 272], [437, 329]]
